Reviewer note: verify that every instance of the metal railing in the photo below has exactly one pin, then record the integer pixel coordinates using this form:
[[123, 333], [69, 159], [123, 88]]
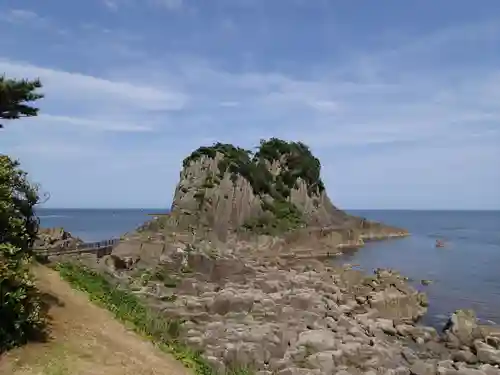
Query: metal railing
[[101, 248]]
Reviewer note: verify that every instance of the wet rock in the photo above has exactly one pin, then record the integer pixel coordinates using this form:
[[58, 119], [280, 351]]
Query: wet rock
[[461, 328], [493, 341], [394, 304]]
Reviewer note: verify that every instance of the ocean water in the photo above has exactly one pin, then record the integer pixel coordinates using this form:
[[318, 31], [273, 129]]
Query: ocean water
[[95, 224], [465, 273]]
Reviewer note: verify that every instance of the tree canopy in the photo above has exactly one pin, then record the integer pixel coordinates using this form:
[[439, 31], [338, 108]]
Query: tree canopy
[[16, 96], [21, 313]]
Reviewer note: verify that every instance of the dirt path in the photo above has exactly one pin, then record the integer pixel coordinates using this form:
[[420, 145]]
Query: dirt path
[[86, 340]]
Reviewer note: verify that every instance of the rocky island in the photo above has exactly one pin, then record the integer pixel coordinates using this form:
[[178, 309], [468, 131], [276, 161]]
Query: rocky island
[[240, 261], [278, 191]]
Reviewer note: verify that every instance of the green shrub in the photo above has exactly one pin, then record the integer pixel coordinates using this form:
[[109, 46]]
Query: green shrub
[[20, 306], [296, 161]]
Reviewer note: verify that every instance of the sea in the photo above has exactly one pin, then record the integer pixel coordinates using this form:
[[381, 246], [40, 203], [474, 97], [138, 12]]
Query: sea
[[464, 274]]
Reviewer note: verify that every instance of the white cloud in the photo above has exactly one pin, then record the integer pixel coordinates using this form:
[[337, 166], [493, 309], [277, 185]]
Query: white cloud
[[170, 5], [91, 124], [111, 4], [21, 15], [328, 110], [324, 105], [26, 17], [141, 116], [86, 87], [85, 102]]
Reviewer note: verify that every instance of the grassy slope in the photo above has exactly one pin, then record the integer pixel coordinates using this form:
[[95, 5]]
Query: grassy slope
[[89, 340], [84, 340], [129, 309]]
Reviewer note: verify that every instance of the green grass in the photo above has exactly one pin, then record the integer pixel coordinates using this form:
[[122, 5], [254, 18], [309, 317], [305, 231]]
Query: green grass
[[130, 310]]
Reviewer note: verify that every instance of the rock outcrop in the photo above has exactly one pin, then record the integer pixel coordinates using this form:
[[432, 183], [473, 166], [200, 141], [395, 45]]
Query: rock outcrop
[[237, 263], [55, 237], [306, 317], [276, 190]]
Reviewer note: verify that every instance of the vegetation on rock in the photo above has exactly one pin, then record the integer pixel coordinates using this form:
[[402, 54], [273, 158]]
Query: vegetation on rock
[[293, 160]]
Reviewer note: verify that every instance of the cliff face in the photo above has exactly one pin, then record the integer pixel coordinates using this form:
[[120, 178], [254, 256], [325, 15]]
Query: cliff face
[[274, 191]]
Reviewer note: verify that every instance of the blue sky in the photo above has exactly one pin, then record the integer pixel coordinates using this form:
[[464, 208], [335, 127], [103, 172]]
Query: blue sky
[[399, 99]]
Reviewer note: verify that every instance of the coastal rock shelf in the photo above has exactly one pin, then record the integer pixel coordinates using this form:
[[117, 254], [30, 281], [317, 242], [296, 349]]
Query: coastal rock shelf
[[239, 260], [286, 317], [275, 191]]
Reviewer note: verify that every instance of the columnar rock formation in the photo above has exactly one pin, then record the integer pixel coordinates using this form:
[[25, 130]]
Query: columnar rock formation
[[242, 303], [276, 190]]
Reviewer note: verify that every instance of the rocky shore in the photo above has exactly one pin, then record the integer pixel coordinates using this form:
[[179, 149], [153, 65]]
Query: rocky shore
[[240, 260], [283, 316]]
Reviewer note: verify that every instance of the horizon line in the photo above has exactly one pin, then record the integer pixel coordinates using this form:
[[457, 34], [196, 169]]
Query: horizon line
[[343, 209]]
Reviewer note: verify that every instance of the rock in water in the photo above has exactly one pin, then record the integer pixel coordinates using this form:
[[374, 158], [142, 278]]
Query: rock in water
[[276, 190], [462, 328]]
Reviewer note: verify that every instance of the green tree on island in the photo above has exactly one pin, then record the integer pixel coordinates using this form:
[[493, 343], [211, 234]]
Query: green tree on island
[[16, 96], [20, 306]]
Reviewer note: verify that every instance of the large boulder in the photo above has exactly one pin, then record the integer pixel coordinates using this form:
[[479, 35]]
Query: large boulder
[[462, 328], [276, 190], [55, 237]]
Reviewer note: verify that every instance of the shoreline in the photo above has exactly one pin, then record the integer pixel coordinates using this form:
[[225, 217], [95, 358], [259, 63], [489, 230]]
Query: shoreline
[[308, 317], [299, 311]]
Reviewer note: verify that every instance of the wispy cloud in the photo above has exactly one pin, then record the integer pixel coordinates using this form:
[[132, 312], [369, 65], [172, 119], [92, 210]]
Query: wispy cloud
[[111, 4], [22, 16], [97, 104], [93, 125], [170, 5], [415, 108], [26, 17]]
